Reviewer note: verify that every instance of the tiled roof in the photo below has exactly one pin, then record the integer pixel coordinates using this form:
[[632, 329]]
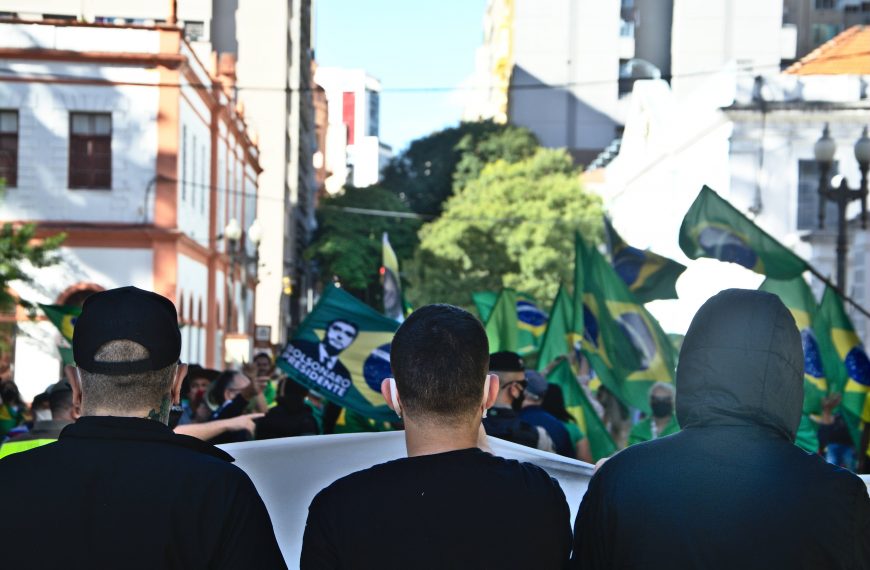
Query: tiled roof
[[848, 53]]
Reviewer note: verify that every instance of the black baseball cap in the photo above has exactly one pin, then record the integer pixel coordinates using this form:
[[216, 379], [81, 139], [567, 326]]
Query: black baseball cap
[[127, 313], [506, 361]]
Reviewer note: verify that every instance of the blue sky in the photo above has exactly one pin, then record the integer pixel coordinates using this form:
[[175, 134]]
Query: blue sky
[[405, 44]]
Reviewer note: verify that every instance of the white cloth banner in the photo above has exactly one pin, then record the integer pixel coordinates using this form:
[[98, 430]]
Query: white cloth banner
[[288, 472]]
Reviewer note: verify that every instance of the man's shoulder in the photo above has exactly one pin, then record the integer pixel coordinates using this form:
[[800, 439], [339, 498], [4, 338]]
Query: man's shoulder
[[484, 465]]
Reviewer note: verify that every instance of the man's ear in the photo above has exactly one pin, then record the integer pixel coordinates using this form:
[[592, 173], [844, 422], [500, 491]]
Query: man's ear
[[74, 380], [175, 393], [391, 395], [491, 393]]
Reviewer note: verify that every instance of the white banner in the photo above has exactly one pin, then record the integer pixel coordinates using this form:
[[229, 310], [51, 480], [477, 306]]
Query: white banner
[[288, 472]]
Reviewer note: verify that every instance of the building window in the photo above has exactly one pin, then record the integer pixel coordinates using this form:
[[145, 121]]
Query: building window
[[821, 33], [808, 197], [183, 163], [9, 148], [826, 4], [374, 113], [193, 173], [194, 31], [206, 183], [90, 150]]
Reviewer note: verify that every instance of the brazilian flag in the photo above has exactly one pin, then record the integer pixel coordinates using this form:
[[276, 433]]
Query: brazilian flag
[[557, 338], [714, 228], [501, 324], [796, 295], [64, 318], [845, 361], [624, 343], [531, 320], [342, 350], [395, 305], [600, 443], [649, 276]]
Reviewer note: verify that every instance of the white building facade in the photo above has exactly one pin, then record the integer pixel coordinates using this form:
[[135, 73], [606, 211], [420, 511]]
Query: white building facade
[[354, 154], [129, 145]]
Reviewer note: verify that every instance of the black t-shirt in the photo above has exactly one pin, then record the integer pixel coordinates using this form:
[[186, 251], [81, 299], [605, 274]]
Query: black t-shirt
[[129, 493], [461, 509]]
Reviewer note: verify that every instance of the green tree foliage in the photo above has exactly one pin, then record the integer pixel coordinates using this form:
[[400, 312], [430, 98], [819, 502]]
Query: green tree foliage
[[512, 226], [347, 245], [423, 175], [18, 250]]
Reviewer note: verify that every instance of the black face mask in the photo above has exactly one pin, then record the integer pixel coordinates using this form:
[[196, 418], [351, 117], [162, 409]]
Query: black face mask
[[662, 408], [517, 404]]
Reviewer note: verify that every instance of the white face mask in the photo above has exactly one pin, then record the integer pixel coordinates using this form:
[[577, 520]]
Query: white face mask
[[42, 415]]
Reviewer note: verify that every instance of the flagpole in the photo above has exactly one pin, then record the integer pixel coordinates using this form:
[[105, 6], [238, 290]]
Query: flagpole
[[830, 284]]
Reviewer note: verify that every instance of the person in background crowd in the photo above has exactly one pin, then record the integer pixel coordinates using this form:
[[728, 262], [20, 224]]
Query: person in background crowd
[[229, 396], [121, 488], [255, 394], [11, 407], [663, 422], [731, 490], [290, 416], [40, 407], [533, 413], [61, 413], [445, 505], [194, 408], [554, 403], [502, 420], [835, 441], [265, 369]]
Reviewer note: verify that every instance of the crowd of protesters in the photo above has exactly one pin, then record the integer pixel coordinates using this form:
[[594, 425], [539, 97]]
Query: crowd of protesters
[[711, 479]]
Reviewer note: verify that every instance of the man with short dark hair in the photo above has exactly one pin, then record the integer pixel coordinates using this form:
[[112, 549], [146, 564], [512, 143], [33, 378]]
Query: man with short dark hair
[[731, 490], [134, 494], [437, 507]]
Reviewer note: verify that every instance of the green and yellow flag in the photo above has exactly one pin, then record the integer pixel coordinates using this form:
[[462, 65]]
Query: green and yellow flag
[[501, 324], [342, 350], [557, 338], [395, 305], [600, 443], [714, 228], [845, 360], [796, 295], [649, 276], [64, 318], [531, 320], [624, 343]]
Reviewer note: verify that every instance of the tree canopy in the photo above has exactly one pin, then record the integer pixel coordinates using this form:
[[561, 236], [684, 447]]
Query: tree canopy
[[423, 176], [511, 226], [347, 245]]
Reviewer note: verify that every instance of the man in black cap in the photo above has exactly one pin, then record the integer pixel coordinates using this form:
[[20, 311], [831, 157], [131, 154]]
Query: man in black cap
[[503, 420], [134, 494], [731, 490]]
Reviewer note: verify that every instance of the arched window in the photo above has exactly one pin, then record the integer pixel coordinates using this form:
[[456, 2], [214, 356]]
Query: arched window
[[75, 295]]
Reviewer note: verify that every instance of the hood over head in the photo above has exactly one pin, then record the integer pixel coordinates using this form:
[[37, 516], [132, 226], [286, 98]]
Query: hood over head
[[741, 363]]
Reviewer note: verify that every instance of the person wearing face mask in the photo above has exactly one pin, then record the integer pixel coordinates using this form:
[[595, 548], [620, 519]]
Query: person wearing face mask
[[434, 508], [503, 420], [662, 422], [46, 428]]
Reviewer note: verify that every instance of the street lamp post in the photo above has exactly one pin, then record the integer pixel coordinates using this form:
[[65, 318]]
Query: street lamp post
[[837, 190], [238, 255]]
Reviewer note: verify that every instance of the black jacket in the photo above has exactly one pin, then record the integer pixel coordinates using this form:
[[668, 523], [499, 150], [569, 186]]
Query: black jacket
[[129, 493], [731, 490]]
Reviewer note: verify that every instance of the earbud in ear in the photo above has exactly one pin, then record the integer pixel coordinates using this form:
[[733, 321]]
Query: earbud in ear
[[394, 394], [485, 394]]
